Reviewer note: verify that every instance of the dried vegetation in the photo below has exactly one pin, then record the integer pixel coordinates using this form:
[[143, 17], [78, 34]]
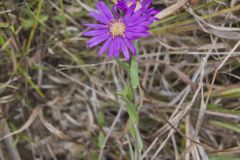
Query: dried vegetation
[[58, 99]]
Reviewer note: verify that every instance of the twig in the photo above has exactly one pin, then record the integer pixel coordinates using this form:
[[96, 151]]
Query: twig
[[172, 9]]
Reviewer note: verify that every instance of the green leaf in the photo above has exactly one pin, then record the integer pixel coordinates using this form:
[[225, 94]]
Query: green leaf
[[221, 109], [2, 41], [59, 18], [231, 93], [231, 126], [28, 23], [4, 25], [16, 141], [132, 128], [135, 134], [127, 92], [79, 14], [131, 149], [101, 138], [124, 65], [27, 138], [94, 155], [132, 112], [12, 28], [33, 85], [139, 142], [100, 119], [222, 157], [134, 74]]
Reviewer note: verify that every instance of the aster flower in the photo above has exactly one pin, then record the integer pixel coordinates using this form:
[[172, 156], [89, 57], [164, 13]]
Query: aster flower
[[115, 32], [142, 6]]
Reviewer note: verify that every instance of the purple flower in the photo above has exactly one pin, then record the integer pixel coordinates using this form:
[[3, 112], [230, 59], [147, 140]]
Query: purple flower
[[115, 32], [143, 6]]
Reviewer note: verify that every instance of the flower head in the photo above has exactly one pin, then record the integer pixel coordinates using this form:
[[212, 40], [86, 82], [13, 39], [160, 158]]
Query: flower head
[[142, 5], [115, 32]]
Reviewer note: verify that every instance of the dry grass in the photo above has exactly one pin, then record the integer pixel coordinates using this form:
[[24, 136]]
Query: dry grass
[[58, 100]]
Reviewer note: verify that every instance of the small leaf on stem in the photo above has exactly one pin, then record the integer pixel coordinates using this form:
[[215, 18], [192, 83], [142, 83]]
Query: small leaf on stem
[[134, 74]]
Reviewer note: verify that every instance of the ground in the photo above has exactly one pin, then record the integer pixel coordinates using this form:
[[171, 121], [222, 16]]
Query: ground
[[60, 101]]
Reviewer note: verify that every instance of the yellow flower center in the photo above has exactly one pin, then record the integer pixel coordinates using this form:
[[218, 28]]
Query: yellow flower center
[[117, 28]]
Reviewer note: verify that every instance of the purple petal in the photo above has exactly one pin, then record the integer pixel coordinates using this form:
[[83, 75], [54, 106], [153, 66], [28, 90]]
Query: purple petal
[[98, 17], [136, 19], [131, 46], [125, 51], [143, 34], [153, 19], [104, 47], [137, 29], [144, 23], [143, 2], [98, 39], [117, 47], [139, 12], [111, 48], [131, 35], [146, 3], [133, 1], [136, 16], [103, 8], [115, 11], [95, 32], [97, 26], [129, 12], [122, 6], [154, 12]]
